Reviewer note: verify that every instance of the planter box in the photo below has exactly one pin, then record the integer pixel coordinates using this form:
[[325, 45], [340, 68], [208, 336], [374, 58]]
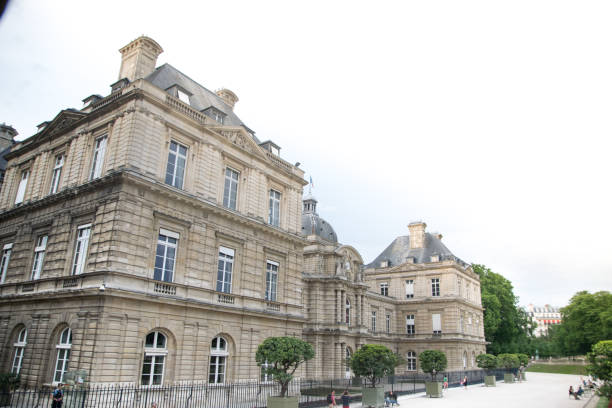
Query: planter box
[[374, 397], [433, 389], [490, 380], [280, 402], [523, 376], [508, 378]]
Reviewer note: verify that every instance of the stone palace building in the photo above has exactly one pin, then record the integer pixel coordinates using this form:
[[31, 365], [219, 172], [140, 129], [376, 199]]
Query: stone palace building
[[151, 237]]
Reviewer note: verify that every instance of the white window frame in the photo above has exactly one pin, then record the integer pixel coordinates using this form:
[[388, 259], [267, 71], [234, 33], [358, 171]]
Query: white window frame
[[271, 280], [99, 153], [175, 158], [57, 173], [373, 321], [465, 361], [410, 326], [169, 242], [219, 356], [23, 184], [39, 256], [19, 345], [384, 288], [230, 188], [409, 288], [6, 258], [274, 210], [156, 355], [225, 269], [62, 355], [81, 247], [388, 322], [436, 322], [347, 312], [411, 361], [435, 287], [347, 366]]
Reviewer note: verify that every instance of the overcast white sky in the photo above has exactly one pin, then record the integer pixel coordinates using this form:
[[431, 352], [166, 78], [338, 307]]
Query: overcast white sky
[[488, 120]]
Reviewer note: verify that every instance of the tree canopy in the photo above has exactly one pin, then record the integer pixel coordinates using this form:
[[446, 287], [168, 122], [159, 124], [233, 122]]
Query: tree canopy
[[600, 366], [281, 356], [487, 361], [508, 361], [433, 362], [374, 361]]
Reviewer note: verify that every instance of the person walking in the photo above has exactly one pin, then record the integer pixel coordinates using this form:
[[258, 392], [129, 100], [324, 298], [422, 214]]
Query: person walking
[[58, 396], [445, 382], [346, 399], [465, 383], [331, 399]]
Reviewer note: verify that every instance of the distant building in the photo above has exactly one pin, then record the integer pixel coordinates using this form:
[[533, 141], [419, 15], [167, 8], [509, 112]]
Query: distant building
[[7, 140], [544, 317]]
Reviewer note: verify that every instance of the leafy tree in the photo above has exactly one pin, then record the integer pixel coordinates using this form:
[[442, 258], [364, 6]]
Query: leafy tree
[[585, 321], [433, 362], [600, 359], [374, 361], [487, 361], [8, 382], [508, 361], [283, 355], [523, 359], [507, 327]]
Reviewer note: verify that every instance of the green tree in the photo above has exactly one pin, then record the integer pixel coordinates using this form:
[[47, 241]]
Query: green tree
[[433, 362], [281, 356], [523, 359], [508, 328], [487, 361], [508, 361], [585, 321], [600, 367], [373, 362]]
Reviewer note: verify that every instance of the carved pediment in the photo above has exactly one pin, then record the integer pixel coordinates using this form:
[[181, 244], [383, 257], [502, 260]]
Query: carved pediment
[[60, 123]]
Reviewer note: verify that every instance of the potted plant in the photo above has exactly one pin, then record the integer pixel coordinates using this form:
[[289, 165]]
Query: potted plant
[[280, 357], [373, 361], [8, 383], [433, 362], [524, 362], [487, 362], [509, 362]]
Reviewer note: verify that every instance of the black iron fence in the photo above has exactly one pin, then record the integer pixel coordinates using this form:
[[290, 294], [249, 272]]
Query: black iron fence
[[312, 393]]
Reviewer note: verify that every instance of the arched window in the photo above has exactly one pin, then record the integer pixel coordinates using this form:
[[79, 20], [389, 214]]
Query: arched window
[[63, 355], [411, 361], [464, 360], [19, 345], [218, 360], [347, 312], [155, 352], [347, 360]]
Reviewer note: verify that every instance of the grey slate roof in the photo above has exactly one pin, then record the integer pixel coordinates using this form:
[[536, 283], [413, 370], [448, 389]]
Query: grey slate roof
[[399, 251], [2, 159], [313, 224], [166, 76]]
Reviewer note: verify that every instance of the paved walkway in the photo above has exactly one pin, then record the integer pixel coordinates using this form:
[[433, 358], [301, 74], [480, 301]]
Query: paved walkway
[[541, 390]]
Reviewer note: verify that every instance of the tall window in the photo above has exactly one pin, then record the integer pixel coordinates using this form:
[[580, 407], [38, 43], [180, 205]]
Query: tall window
[[98, 157], [218, 361], [175, 170], [271, 280], [274, 217], [347, 312], [155, 352], [347, 363], [437, 324], [230, 190], [384, 289], [19, 350], [388, 323], [435, 287], [39, 256], [57, 173], [411, 361], [409, 289], [460, 322], [63, 355], [410, 325], [80, 249], [464, 360], [6, 257], [167, 243], [373, 320], [224, 270], [23, 183]]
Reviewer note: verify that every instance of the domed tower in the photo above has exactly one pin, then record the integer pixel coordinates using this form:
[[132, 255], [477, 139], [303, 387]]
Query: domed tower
[[312, 224]]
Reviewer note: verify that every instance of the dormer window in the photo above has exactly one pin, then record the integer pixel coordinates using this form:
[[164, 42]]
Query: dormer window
[[271, 147], [215, 113], [183, 96]]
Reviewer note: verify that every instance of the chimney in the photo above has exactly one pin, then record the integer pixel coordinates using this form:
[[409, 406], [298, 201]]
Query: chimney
[[228, 97], [7, 134], [417, 234], [138, 58]]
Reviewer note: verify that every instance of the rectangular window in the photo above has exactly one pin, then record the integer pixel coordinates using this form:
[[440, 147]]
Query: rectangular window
[[410, 325], [39, 256], [98, 157], [6, 257], [80, 249], [271, 280], [57, 173], [388, 323], [384, 289], [409, 289], [461, 323], [230, 190], [274, 216], [224, 270], [183, 96], [165, 256], [23, 183], [18, 359], [435, 287], [436, 323], [373, 321], [61, 364], [175, 170]]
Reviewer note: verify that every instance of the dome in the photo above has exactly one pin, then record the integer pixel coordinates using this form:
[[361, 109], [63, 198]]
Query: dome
[[312, 224]]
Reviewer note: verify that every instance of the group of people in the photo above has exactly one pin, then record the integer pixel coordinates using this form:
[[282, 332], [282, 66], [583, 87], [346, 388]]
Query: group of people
[[578, 393], [331, 399]]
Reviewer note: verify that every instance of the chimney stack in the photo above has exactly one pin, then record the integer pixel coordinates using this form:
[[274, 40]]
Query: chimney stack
[[417, 234], [228, 97], [138, 58], [7, 135]]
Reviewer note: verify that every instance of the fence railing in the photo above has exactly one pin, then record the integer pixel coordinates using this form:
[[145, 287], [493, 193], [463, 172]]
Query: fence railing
[[312, 393]]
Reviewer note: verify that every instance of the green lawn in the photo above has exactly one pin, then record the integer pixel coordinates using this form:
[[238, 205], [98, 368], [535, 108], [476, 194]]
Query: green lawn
[[558, 369]]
